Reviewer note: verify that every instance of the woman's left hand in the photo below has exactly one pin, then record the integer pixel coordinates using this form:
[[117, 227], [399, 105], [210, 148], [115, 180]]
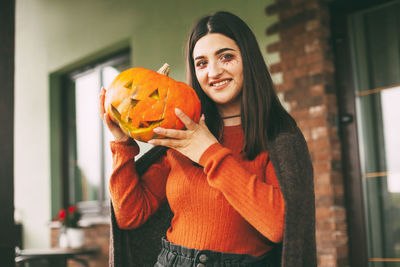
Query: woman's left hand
[[191, 142]]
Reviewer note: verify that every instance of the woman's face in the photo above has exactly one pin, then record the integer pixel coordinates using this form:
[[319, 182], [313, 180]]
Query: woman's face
[[219, 68]]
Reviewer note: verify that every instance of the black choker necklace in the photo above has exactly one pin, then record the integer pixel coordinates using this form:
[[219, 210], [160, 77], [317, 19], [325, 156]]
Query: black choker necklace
[[228, 117]]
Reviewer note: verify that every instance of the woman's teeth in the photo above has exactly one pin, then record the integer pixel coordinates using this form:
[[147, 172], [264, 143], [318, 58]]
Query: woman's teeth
[[220, 83]]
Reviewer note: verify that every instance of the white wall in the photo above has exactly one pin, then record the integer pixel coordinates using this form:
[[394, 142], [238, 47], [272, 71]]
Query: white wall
[[53, 34]]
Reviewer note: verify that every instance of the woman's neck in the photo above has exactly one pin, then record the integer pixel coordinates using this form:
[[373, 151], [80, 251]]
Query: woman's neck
[[230, 113], [231, 120]]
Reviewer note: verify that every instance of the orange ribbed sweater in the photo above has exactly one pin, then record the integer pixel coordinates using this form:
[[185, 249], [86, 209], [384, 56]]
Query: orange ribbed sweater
[[231, 205]]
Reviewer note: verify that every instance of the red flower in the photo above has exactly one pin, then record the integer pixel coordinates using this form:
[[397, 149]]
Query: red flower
[[62, 214], [69, 217], [71, 209]]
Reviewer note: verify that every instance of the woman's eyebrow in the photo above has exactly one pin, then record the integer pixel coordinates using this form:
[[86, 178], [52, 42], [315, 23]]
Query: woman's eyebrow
[[199, 57], [219, 51], [223, 50]]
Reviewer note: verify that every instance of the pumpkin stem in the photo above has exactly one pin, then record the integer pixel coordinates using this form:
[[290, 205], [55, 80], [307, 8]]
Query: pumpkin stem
[[164, 69]]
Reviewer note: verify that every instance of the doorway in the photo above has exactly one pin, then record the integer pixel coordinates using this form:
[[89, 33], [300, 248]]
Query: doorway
[[367, 47]]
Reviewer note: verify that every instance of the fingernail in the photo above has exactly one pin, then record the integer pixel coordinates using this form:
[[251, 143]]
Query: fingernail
[[178, 111], [202, 117], [156, 130], [151, 141]]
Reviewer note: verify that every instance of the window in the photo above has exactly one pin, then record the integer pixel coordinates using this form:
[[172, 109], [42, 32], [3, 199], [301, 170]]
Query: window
[[86, 156]]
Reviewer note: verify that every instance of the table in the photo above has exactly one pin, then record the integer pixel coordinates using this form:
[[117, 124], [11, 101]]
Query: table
[[54, 256]]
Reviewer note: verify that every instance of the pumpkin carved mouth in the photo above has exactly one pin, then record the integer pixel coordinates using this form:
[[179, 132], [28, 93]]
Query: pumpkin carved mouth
[[144, 125], [140, 100]]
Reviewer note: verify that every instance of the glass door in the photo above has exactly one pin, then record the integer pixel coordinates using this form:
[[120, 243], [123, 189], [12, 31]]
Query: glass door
[[375, 47]]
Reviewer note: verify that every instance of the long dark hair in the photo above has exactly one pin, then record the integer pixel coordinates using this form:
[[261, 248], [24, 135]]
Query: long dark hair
[[262, 114]]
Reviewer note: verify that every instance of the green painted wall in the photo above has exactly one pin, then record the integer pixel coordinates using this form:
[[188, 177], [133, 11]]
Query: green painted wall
[[55, 35]]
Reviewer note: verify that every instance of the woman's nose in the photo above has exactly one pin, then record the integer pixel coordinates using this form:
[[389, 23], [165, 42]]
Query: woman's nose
[[214, 69]]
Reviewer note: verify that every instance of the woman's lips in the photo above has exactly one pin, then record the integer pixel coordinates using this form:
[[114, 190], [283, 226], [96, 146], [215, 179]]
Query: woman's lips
[[220, 84]]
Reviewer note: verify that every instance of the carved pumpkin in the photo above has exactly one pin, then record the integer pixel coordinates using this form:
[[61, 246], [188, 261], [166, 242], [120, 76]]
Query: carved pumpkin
[[140, 99]]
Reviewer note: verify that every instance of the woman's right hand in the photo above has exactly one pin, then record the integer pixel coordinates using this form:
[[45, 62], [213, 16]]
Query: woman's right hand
[[118, 134]]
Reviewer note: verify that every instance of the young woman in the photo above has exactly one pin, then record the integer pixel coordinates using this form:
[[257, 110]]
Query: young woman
[[239, 182]]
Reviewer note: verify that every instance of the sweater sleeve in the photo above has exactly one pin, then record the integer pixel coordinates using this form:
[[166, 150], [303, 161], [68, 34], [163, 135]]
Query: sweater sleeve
[[135, 198], [259, 202]]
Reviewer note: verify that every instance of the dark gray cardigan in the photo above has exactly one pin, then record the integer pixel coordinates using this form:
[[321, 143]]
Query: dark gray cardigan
[[291, 160]]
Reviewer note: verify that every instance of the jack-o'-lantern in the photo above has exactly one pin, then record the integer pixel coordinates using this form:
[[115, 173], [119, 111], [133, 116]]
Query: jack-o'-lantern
[[140, 99]]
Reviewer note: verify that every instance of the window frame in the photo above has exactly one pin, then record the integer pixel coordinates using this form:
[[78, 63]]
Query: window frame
[[63, 137]]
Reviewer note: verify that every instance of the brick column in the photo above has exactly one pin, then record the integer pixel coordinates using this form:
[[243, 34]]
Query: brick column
[[308, 87]]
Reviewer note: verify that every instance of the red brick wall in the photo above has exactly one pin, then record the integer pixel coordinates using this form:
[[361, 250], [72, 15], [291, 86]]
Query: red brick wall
[[308, 86]]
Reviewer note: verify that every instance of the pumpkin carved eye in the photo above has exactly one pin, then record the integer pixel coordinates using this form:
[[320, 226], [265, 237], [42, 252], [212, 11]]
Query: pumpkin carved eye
[[155, 95], [134, 102], [129, 84]]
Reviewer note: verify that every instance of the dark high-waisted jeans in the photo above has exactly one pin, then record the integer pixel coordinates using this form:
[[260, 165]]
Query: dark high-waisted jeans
[[178, 256]]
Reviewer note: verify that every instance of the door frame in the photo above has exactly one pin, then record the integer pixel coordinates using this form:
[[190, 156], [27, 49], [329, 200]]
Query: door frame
[[345, 86], [8, 230]]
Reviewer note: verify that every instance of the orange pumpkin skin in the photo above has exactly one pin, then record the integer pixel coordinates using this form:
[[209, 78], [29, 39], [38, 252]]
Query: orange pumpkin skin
[[139, 100]]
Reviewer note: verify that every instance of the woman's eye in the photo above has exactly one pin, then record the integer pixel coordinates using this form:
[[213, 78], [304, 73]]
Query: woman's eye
[[226, 57], [201, 63]]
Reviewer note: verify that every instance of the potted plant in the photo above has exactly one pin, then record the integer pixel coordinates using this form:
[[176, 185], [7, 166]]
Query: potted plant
[[72, 235]]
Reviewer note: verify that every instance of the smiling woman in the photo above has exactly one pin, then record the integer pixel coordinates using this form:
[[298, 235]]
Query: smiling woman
[[234, 180]]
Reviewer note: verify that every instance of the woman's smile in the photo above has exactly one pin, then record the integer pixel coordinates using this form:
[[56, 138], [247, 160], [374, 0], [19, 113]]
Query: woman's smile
[[220, 84]]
